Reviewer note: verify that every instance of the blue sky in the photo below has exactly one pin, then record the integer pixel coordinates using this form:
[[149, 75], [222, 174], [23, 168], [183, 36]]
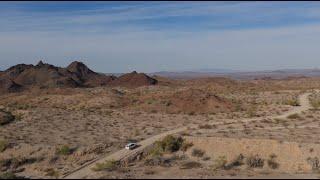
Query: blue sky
[[156, 36]]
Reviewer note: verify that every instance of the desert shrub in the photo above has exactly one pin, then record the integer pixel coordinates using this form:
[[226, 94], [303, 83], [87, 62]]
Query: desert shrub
[[238, 161], [18, 116], [314, 101], [168, 144], [190, 165], [148, 172], [207, 126], [314, 162], [5, 117], [219, 163], [3, 145], [9, 175], [158, 161], [292, 102], [108, 166], [52, 173], [64, 150], [206, 158], [272, 162], [255, 161], [251, 111], [185, 146], [197, 153], [294, 116], [16, 162]]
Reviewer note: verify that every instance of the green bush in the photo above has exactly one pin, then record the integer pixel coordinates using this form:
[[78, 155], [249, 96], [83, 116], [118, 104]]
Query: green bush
[[5, 117], [168, 144], [292, 102], [64, 150], [52, 173], [197, 153], [219, 163], [9, 175], [108, 166], [255, 162], [3, 145]]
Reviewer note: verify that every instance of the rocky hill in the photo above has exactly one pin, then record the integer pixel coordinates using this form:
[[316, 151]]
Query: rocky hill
[[77, 74]]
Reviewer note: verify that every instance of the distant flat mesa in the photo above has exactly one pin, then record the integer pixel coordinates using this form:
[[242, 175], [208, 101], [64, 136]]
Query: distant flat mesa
[[77, 74]]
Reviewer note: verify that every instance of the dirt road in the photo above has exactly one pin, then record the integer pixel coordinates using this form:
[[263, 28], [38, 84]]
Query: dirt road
[[85, 170]]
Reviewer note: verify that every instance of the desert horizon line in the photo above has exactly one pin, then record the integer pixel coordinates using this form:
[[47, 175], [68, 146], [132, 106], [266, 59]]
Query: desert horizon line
[[193, 70]]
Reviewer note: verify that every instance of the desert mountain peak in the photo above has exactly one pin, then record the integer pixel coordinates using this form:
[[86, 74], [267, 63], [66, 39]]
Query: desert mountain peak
[[40, 63], [77, 74]]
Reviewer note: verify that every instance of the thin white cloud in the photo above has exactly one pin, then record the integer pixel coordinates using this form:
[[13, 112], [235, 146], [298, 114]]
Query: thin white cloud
[[118, 47]]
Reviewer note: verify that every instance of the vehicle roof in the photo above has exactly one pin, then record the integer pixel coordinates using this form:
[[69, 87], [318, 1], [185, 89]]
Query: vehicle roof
[[131, 144]]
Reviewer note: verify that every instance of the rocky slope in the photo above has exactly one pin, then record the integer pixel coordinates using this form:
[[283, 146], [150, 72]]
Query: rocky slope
[[77, 74]]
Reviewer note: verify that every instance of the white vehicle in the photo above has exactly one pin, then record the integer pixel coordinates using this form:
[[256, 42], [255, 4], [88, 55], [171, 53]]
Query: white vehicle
[[131, 146]]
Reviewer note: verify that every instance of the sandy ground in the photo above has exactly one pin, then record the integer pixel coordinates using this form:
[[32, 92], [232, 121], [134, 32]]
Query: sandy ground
[[98, 122]]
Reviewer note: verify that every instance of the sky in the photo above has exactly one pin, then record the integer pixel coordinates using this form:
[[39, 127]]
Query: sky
[[162, 36]]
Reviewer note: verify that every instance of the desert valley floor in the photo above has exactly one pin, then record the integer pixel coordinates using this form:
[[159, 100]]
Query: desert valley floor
[[195, 128]]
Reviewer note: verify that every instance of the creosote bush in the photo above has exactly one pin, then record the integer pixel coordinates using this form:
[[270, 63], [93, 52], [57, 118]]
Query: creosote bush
[[272, 162], [108, 166], [255, 161], [64, 150], [197, 153], [168, 145], [3, 145]]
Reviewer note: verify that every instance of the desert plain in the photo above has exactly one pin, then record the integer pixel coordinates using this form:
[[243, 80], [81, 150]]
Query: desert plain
[[74, 123]]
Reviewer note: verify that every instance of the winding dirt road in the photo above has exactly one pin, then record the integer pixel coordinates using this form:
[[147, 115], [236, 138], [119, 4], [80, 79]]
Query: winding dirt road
[[85, 170]]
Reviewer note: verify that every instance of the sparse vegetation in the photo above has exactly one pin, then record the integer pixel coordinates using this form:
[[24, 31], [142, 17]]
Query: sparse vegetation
[[197, 153], [3, 145], [207, 126], [5, 117], [168, 144], [107, 166], [314, 162], [294, 116], [190, 165], [292, 102], [219, 163], [255, 161], [9, 175], [185, 146], [272, 162], [252, 111], [64, 150], [238, 161], [52, 173]]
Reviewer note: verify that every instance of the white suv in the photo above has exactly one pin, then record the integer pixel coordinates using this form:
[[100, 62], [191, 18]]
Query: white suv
[[131, 146]]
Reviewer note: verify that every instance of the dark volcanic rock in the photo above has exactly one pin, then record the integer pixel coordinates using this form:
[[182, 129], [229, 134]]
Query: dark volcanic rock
[[16, 70], [5, 117], [76, 74], [87, 76], [134, 79], [7, 85]]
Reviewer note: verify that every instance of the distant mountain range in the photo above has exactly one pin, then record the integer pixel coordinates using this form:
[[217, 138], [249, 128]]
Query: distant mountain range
[[77, 74], [274, 74]]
